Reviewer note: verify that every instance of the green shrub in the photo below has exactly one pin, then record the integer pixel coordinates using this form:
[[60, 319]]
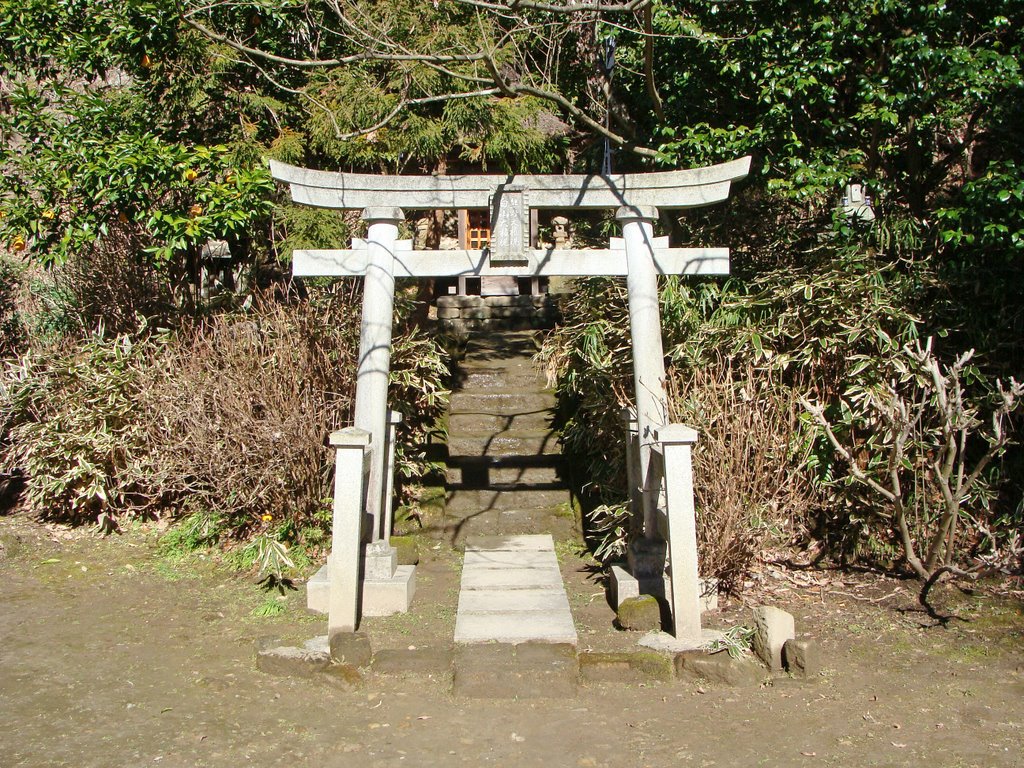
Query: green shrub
[[74, 429]]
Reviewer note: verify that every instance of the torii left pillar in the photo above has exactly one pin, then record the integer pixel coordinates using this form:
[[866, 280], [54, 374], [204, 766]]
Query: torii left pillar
[[375, 356], [385, 587]]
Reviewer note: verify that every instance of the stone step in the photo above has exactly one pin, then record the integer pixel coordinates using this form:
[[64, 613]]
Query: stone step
[[461, 503], [512, 592], [522, 377], [483, 475], [522, 444], [463, 423], [507, 345], [501, 402]]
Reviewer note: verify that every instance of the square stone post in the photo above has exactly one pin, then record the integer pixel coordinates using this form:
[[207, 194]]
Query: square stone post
[[371, 409], [676, 443], [633, 478], [394, 419], [343, 563]]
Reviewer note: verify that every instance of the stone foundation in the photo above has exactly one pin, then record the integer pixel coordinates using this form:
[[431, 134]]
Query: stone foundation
[[464, 314]]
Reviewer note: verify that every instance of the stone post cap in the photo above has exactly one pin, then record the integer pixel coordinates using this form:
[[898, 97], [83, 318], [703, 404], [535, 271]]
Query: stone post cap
[[350, 437], [394, 417], [383, 214], [634, 212], [676, 434]]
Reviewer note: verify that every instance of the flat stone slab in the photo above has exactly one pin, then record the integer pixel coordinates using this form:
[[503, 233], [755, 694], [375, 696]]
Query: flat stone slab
[[510, 577], [515, 627], [503, 558], [512, 600], [663, 641], [532, 542], [512, 592]]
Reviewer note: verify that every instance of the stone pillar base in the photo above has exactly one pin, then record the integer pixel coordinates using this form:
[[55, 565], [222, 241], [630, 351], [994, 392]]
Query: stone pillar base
[[383, 597], [380, 597], [624, 585]]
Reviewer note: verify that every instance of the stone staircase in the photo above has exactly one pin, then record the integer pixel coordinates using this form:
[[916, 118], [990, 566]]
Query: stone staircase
[[503, 459], [506, 503]]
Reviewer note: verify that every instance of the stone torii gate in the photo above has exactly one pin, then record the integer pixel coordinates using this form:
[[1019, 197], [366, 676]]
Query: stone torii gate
[[663, 492]]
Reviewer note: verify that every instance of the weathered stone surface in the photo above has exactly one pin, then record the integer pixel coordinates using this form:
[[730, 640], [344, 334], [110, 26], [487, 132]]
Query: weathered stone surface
[[481, 671], [352, 648], [525, 443], [509, 301], [448, 313], [772, 628], [380, 561], [639, 614], [718, 668], [383, 597], [292, 662], [343, 676], [429, 662], [624, 667], [408, 549], [525, 671], [802, 658], [546, 671]]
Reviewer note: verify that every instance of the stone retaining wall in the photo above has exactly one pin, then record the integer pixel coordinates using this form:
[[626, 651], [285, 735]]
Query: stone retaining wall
[[462, 314]]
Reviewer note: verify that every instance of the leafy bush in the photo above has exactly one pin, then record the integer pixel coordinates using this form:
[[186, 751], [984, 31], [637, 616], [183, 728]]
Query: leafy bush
[[73, 428], [10, 323], [223, 422]]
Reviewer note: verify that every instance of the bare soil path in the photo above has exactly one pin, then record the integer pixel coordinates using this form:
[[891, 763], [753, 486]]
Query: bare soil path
[[111, 656]]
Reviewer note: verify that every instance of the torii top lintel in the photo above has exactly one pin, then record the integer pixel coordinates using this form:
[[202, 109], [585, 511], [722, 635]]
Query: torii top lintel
[[690, 188]]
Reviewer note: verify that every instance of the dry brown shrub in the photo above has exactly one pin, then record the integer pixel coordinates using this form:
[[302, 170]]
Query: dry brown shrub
[[749, 480], [113, 285], [240, 405]]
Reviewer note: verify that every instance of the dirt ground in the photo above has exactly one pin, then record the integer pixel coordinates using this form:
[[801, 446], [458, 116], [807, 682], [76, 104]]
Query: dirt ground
[[113, 656]]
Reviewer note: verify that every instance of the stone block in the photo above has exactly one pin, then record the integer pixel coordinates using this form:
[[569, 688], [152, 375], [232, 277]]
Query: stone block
[[448, 313], [387, 596], [289, 661], [352, 648], [545, 671], [426, 662], [380, 561], [481, 671], [623, 585], [456, 327], [802, 658], [408, 549], [458, 302], [509, 301], [772, 628], [476, 313], [718, 668], [624, 667], [343, 676], [639, 614], [318, 591], [517, 313], [526, 671]]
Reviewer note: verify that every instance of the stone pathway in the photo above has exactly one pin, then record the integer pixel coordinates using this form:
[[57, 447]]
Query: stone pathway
[[506, 502], [512, 592], [503, 476]]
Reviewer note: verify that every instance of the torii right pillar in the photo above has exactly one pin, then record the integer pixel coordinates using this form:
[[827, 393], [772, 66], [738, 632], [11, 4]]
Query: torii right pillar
[[662, 456]]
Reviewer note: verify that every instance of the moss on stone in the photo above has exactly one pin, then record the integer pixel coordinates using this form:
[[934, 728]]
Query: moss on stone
[[640, 614], [408, 549]]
